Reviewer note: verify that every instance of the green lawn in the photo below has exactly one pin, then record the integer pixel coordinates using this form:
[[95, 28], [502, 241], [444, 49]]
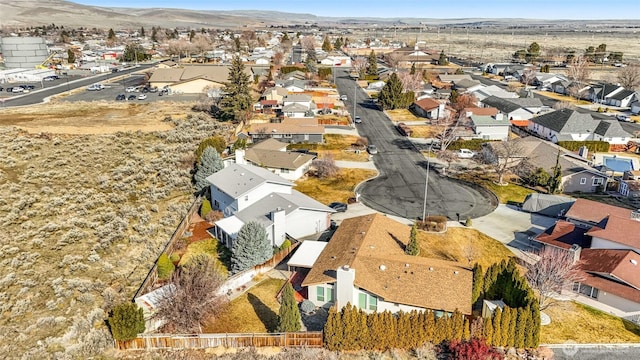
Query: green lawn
[[254, 311]]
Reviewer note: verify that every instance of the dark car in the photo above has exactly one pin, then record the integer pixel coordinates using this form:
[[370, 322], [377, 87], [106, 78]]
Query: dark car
[[338, 206], [28, 87], [121, 97], [132, 97]]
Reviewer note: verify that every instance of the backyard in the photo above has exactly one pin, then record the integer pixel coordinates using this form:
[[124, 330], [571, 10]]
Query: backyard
[[335, 188], [594, 326]]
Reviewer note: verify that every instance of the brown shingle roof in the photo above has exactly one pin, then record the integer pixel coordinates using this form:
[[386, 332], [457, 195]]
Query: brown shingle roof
[[594, 212], [270, 144], [615, 288], [622, 230], [367, 242], [289, 126], [427, 104], [485, 111], [618, 264], [563, 234], [276, 159]]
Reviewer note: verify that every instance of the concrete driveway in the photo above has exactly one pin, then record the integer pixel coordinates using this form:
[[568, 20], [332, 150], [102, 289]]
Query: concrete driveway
[[512, 227]]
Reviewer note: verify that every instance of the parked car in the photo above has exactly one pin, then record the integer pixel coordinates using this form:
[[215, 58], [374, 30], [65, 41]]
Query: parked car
[[466, 154], [1, 88], [357, 120], [15, 89], [51, 78], [130, 89], [153, 89], [121, 97], [28, 87], [142, 96], [131, 97], [622, 117], [343, 97], [372, 149], [338, 206], [95, 87], [404, 129]]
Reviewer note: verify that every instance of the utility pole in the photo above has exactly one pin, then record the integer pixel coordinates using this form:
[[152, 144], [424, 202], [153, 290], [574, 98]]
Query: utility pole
[[426, 185]]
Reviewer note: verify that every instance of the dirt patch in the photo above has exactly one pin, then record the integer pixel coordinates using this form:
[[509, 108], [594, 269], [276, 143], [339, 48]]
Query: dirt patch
[[102, 117]]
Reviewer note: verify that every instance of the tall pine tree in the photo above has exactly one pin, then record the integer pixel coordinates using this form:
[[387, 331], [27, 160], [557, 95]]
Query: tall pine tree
[[250, 248], [413, 248], [497, 327], [488, 331], [478, 283], [392, 95], [237, 91], [555, 182], [372, 66], [210, 163], [289, 314]]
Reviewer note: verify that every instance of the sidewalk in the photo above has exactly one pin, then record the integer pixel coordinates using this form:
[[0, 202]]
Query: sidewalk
[[368, 165]]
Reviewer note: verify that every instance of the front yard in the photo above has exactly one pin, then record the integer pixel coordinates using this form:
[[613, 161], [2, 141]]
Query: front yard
[[337, 188], [341, 147], [564, 98], [508, 193], [571, 321], [254, 311], [462, 244], [403, 115]]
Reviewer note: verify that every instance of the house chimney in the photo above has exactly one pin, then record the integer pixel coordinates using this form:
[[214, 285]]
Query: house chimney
[[499, 116], [345, 276], [575, 251], [240, 157], [279, 219]]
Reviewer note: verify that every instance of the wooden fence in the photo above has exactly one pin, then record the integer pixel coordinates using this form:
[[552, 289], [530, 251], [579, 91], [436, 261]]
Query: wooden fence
[[205, 341], [152, 276]]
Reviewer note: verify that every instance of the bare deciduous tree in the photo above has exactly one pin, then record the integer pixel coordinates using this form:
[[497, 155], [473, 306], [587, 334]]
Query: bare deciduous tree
[[503, 156], [563, 105], [200, 44], [325, 167], [629, 77], [410, 82], [578, 69], [464, 101], [393, 59], [192, 296], [359, 64], [308, 43], [278, 57], [469, 252], [554, 270], [528, 76]]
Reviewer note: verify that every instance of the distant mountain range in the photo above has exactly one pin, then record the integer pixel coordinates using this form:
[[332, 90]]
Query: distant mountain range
[[41, 12]]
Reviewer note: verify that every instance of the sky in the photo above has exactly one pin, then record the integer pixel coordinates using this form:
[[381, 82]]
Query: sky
[[441, 9]]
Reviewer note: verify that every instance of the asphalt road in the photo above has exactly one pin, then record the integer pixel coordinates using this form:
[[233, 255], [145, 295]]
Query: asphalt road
[[400, 188], [38, 96], [614, 353]]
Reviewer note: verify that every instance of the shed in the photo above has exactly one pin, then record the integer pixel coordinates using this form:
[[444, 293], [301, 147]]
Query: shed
[[545, 204], [149, 302]]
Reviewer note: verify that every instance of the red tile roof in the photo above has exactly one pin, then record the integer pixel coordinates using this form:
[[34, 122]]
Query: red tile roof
[[520, 123], [481, 111], [594, 212], [564, 234]]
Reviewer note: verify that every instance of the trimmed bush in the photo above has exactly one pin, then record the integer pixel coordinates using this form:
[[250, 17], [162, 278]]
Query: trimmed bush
[[165, 267], [593, 146], [205, 208], [286, 244], [307, 306], [126, 321], [174, 258], [473, 144]]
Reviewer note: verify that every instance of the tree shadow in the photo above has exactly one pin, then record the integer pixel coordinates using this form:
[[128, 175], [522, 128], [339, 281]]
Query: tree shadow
[[400, 243], [268, 317]]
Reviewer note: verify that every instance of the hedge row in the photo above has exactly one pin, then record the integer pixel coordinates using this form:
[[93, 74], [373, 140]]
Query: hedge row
[[593, 146], [473, 144]]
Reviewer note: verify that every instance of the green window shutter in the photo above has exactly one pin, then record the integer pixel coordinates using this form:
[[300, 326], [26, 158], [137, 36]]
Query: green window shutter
[[362, 301], [320, 293]]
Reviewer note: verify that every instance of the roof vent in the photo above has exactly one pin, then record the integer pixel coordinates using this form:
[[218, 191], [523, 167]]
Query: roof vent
[[455, 272], [406, 265], [634, 262], [345, 267], [383, 268], [241, 174], [363, 232], [430, 269]]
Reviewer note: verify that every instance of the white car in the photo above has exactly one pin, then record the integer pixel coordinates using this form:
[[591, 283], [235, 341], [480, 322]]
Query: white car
[[466, 154], [95, 87], [130, 89], [357, 120], [343, 98], [142, 96]]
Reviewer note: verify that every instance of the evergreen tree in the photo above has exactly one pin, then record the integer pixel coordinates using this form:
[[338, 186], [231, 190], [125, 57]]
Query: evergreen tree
[[250, 248], [392, 95], [350, 328], [210, 163], [192, 34], [504, 326], [442, 60], [362, 330], [413, 248], [332, 335], [154, 34], [165, 267], [453, 98], [126, 321], [217, 142], [466, 331], [404, 330], [237, 90], [111, 36], [488, 331], [413, 69], [326, 44], [521, 328], [497, 327], [513, 319], [478, 283], [534, 326], [71, 56], [289, 314], [555, 182], [337, 44], [457, 326], [142, 31], [372, 66], [390, 324], [377, 332], [429, 325]]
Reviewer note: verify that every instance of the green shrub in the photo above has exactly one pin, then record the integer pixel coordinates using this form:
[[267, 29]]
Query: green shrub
[[126, 321], [600, 109], [468, 222], [174, 258], [473, 144], [205, 208], [165, 267], [593, 146], [286, 244], [217, 142]]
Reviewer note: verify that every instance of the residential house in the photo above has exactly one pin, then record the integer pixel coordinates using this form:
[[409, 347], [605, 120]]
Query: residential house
[[274, 93], [429, 108], [364, 264], [298, 106], [289, 130], [454, 78], [605, 245], [623, 98], [465, 85], [629, 184], [272, 154], [245, 193], [570, 125], [167, 64], [544, 80], [292, 85], [493, 90], [635, 107], [577, 175], [600, 93], [514, 108], [494, 127]]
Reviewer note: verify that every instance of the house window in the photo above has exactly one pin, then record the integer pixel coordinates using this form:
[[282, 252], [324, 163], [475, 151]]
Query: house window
[[583, 181], [362, 301], [284, 171], [367, 302], [288, 136], [320, 294], [585, 290], [597, 181], [246, 198], [329, 295], [373, 303]]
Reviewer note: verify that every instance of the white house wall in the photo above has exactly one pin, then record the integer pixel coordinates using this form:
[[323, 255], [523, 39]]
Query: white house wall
[[493, 132], [312, 294], [220, 200], [615, 140], [520, 114], [599, 243], [260, 192], [301, 222], [617, 302]]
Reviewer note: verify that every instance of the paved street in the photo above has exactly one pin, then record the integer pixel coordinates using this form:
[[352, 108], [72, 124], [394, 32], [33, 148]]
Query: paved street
[[400, 188]]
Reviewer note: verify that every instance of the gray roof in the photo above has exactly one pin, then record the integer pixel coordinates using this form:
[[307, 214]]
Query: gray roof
[[622, 94], [566, 121], [295, 107], [526, 102], [297, 98], [543, 154], [608, 89], [235, 180], [610, 129], [454, 77], [260, 210], [501, 104], [466, 83], [483, 120], [276, 159]]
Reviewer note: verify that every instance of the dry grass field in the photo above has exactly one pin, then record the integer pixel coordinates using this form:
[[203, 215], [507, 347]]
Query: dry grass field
[[337, 188], [84, 218]]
